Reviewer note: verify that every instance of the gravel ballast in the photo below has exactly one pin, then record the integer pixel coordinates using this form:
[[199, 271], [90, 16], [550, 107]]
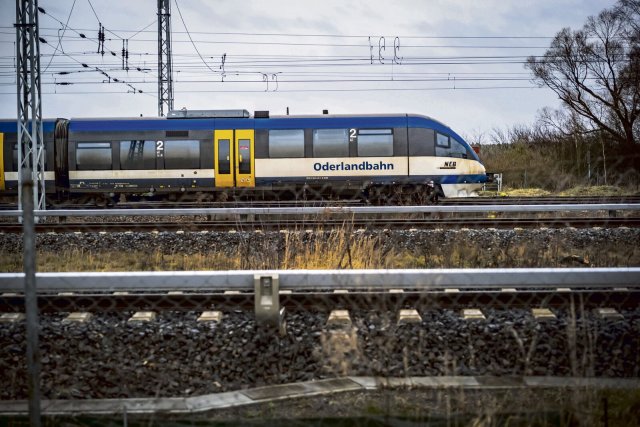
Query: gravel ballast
[[477, 248], [177, 356]]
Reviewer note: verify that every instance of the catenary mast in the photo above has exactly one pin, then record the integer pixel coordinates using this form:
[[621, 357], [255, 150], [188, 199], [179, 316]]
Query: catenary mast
[[165, 76], [30, 137]]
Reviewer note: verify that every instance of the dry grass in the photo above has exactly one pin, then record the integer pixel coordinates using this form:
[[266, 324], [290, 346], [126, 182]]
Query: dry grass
[[600, 190], [340, 249], [525, 192], [593, 191], [76, 260]]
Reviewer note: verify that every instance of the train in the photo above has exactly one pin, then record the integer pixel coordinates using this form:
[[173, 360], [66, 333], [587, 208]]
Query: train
[[223, 154]]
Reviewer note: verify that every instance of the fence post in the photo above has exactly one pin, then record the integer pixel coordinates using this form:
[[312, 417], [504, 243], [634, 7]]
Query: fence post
[[30, 298]]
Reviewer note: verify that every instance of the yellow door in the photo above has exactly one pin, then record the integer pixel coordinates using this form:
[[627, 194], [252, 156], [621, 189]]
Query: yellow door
[[1, 161], [223, 158], [234, 158], [245, 162]]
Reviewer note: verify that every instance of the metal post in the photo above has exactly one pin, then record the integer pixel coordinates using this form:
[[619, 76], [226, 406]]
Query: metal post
[[30, 137], [31, 302], [165, 71], [267, 301]]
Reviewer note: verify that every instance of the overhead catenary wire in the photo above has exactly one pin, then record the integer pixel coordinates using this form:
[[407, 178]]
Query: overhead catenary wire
[[190, 39], [307, 66], [84, 65], [64, 30]]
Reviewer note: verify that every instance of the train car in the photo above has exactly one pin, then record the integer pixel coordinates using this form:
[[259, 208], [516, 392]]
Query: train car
[[231, 153], [9, 156]]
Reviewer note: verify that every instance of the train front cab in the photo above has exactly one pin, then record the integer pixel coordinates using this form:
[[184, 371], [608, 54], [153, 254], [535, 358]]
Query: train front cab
[[437, 153]]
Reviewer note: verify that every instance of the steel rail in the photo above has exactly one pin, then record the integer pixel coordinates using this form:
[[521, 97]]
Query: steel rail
[[507, 200], [291, 223], [382, 301], [314, 280], [329, 210], [516, 200]]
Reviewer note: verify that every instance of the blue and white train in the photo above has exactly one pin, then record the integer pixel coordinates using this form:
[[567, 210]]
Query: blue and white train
[[230, 152]]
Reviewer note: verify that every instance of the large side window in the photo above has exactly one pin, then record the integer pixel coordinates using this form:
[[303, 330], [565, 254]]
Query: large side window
[[449, 147], [93, 156], [15, 156], [182, 154], [286, 143], [421, 141], [330, 143], [375, 142], [137, 155]]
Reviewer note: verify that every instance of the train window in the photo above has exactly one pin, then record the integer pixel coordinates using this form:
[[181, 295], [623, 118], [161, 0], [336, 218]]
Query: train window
[[449, 147], [93, 156], [14, 165], [375, 142], [244, 150], [182, 154], [137, 155], [224, 156], [286, 143], [458, 150], [421, 141], [442, 141], [330, 143]]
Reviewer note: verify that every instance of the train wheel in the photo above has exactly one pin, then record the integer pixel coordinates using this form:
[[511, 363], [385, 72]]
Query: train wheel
[[222, 196], [102, 201], [204, 197]]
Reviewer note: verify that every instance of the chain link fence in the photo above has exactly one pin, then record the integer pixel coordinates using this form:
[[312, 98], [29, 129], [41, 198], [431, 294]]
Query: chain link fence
[[453, 344]]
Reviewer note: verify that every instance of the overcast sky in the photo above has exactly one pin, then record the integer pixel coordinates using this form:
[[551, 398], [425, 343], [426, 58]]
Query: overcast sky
[[459, 61]]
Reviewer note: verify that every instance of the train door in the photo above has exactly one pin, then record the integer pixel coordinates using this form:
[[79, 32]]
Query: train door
[[234, 158]]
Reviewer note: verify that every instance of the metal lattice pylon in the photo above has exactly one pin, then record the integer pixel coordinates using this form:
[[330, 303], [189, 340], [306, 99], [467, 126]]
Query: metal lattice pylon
[[165, 76], [30, 136]]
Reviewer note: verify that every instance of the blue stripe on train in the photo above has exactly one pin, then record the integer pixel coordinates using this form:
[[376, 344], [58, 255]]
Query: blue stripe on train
[[139, 125], [441, 179], [329, 122], [203, 183], [11, 126]]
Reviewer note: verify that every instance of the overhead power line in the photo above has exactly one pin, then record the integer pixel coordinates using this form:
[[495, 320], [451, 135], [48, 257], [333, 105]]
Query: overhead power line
[[245, 61], [191, 40]]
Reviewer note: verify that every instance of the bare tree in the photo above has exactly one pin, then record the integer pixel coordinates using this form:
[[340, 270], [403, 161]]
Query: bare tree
[[595, 71]]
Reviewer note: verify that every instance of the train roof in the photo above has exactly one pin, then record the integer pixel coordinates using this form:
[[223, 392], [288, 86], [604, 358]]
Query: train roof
[[285, 121], [11, 125], [239, 119]]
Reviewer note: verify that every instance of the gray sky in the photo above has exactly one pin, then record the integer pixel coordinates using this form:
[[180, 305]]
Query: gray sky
[[459, 61]]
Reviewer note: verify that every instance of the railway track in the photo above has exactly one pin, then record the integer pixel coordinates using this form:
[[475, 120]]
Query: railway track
[[330, 300], [550, 200], [326, 290], [304, 224], [187, 334], [151, 204]]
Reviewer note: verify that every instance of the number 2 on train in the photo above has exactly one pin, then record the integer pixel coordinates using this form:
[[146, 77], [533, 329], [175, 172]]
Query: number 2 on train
[[159, 149]]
